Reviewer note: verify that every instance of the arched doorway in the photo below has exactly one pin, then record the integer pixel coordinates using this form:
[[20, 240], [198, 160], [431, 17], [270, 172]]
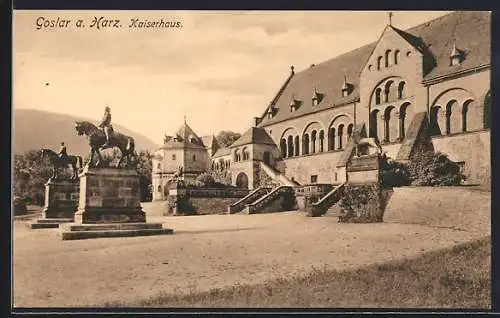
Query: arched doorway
[[267, 157], [242, 180]]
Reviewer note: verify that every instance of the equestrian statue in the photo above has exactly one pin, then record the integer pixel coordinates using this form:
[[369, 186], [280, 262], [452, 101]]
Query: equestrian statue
[[62, 160], [102, 137]]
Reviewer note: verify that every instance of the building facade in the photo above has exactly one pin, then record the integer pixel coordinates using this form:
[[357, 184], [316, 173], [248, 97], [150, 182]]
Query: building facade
[[440, 69]]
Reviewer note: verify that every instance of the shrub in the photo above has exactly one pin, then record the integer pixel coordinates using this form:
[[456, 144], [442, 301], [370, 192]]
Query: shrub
[[361, 204], [205, 180], [434, 169], [394, 174], [20, 207]]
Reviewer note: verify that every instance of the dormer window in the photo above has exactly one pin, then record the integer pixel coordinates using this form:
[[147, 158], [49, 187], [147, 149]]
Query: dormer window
[[271, 112], [316, 97], [294, 104], [456, 56], [346, 88]]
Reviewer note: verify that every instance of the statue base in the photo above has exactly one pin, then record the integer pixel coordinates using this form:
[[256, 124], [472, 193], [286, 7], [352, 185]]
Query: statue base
[[61, 203], [109, 206]]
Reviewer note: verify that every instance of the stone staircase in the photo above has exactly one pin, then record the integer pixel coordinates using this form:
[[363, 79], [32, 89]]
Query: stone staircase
[[253, 196], [325, 204], [276, 175], [280, 199]]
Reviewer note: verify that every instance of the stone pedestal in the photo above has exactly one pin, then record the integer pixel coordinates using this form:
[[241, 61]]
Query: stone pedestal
[[109, 205], [61, 203], [109, 195]]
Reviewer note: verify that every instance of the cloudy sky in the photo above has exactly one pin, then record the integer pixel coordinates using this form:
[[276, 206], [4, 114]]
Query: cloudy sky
[[220, 68]]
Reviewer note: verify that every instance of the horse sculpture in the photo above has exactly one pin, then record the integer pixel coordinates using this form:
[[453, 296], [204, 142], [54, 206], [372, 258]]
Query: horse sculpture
[[62, 162], [97, 139]]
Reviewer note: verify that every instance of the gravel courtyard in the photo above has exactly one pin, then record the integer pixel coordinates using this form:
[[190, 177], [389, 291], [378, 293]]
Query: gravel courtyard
[[205, 252]]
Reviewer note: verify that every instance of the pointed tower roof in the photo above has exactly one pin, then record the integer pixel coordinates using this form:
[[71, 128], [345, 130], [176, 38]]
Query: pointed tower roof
[[186, 132]]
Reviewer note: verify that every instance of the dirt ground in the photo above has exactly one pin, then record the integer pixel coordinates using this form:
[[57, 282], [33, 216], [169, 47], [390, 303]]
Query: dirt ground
[[206, 252]]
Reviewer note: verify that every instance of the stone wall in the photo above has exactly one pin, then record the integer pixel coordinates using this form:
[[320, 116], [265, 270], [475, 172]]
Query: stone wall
[[471, 148], [205, 206], [324, 165]]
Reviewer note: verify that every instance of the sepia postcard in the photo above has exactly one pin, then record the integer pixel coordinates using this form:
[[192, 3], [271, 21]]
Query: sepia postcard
[[251, 159]]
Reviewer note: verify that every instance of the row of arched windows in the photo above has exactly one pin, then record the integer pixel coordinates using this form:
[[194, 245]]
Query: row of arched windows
[[390, 91], [390, 125], [316, 141], [390, 58], [241, 155], [221, 164], [449, 119]]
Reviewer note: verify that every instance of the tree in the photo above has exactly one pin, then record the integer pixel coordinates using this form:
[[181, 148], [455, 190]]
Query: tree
[[31, 172], [145, 168], [226, 138]]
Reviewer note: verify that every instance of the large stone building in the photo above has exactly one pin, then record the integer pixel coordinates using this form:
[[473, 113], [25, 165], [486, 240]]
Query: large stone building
[[437, 72]]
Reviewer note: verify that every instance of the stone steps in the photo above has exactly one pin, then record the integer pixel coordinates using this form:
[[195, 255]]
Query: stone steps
[[48, 223], [80, 235], [111, 226]]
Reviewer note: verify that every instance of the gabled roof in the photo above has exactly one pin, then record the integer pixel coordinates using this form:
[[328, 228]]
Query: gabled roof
[[209, 141], [470, 30], [254, 135], [222, 152]]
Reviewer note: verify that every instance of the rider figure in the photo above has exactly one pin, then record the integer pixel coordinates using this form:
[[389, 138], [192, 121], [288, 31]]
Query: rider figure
[[106, 125], [62, 152]]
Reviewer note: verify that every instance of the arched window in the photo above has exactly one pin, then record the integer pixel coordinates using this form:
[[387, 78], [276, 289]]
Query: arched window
[[305, 145], [321, 140], [173, 157], [237, 155], [487, 111], [194, 157], [213, 165], [340, 133], [378, 92], [403, 112], [313, 141], [350, 127], [283, 148], [396, 57], [373, 123], [389, 123], [158, 166], [159, 188], [379, 62], [453, 118], [387, 90], [401, 90], [246, 155], [434, 120], [331, 139], [465, 111], [387, 58], [290, 146], [297, 146]]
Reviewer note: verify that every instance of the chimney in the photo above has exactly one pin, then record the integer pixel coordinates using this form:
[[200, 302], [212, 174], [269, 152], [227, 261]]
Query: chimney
[[256, 121]]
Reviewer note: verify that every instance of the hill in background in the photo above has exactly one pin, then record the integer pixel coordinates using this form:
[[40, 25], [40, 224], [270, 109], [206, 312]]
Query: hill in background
[[35, 129]]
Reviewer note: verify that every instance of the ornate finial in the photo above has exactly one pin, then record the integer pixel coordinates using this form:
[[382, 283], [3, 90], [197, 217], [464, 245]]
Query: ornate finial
[[292, 69], [184, 118], [390, 18]]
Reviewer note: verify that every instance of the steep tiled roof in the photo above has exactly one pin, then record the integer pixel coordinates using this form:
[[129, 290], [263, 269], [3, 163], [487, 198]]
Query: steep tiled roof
[[254, 135], [470, 31], [222, 152], [209, 141]]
